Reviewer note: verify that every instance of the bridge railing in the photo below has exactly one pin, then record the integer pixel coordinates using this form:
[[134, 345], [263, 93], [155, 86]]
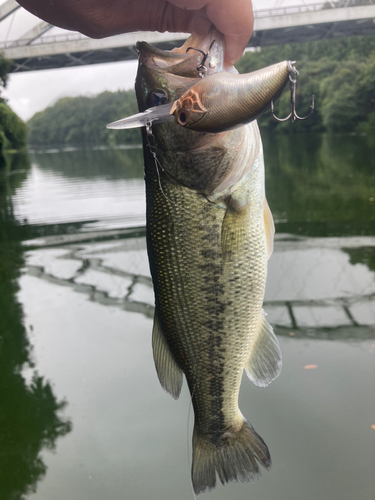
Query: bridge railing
[[64, 37], [289, 10], [314, 7]]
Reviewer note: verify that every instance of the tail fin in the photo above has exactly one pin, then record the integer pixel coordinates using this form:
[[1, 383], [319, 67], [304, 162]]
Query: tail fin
[[232, 456]]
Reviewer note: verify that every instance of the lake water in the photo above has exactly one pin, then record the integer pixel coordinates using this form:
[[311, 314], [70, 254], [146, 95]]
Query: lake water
[[82, 414]]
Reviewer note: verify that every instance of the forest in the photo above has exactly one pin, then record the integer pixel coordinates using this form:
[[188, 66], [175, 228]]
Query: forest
[[81, 121], [340, 73]]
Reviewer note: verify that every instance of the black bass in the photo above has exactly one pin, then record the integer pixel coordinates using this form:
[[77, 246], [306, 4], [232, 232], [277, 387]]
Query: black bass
[[209, 235]]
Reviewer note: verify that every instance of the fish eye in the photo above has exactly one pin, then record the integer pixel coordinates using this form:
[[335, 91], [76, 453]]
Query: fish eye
[[157, 97]]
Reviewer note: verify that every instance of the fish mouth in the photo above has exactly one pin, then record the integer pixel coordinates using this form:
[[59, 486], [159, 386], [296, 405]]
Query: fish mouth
[[159, 59], [185, 61]]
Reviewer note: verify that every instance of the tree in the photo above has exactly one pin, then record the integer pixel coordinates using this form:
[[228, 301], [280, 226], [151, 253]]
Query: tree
[[12, 128], [81, 121], [341, 75]]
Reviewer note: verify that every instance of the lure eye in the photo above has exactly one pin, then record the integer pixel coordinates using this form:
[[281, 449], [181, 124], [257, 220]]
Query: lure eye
[[182, 118], [157, 97]]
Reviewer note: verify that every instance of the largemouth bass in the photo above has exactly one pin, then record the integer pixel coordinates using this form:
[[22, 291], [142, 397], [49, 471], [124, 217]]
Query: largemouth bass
[[209, 235]]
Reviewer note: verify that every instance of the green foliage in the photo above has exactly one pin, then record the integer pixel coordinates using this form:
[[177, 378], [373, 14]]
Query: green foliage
[[5, 65], [12, 128], [81, 121], [341, 75], [12, 134]]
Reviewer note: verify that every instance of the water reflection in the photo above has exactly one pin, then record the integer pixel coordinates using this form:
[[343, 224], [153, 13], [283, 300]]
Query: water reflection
[[86, 288], [129, 427], [120, 163], [99, 189], [363, 255], [316, 186], [321, 185], [29, 412], [312, 283]]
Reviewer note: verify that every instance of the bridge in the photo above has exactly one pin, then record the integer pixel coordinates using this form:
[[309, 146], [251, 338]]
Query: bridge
[[36, 50]]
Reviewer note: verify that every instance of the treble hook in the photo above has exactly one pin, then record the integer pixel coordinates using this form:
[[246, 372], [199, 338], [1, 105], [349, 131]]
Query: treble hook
[[293, 114], [202, 68]]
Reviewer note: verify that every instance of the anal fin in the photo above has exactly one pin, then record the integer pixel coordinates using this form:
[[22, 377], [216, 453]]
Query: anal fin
[[264, 362], [169, 373]]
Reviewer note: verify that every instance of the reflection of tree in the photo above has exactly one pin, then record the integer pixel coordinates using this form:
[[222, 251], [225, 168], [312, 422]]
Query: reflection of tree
[[28, 423], [321, 185], [89, 163], [362, 255], [28, 413]]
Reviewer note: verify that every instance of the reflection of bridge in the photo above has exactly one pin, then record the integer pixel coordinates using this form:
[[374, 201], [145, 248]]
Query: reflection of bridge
[[34, 50], [114, 272]]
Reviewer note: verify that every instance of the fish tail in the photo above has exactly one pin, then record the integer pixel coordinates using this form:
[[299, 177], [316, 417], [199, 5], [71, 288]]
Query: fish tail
[[234, 456]]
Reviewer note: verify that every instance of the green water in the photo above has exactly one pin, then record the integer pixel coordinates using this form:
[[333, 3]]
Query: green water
[[82, 414]]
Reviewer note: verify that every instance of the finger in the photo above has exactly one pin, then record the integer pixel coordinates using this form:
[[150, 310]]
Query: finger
[[199, 24], [235, 19]]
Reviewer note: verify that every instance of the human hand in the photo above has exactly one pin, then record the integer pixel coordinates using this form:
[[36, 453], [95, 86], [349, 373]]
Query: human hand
[[101, 18]]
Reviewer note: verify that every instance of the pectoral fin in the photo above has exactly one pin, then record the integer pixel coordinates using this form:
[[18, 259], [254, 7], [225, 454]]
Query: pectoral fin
[[169, 373], [264, 362], [269, 228]]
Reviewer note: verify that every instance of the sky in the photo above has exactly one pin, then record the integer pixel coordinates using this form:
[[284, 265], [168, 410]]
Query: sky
[[29, 92]]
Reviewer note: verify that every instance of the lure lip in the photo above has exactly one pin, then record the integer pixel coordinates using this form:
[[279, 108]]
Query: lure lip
[[157, 113]]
